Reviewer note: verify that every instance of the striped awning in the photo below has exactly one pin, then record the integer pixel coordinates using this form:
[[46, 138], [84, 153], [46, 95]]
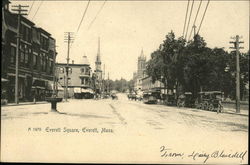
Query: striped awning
[[4, 80]]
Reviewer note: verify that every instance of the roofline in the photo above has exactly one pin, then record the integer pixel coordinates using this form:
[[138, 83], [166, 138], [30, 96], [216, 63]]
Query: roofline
[[73, 64]]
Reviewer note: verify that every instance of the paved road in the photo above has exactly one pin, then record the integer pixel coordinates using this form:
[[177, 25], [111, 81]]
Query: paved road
[[121, 131]]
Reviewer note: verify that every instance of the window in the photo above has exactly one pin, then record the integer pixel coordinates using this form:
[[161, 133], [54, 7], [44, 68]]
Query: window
[[51, 67], [22, 57], [41, 62], [12, 54], [34, 61], [26, 56], [27, 34], [82, 81], [82, 70]]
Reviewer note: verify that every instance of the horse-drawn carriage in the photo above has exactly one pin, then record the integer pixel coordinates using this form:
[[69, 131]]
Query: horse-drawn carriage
[[150, 96], [186, 100], [210, 101]]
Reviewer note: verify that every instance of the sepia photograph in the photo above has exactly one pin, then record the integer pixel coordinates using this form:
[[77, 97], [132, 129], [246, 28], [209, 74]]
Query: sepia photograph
[[125, 81]]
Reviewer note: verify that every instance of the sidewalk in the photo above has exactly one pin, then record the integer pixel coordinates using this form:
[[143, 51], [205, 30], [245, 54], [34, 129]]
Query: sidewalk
[[233, 111], [24, 103]]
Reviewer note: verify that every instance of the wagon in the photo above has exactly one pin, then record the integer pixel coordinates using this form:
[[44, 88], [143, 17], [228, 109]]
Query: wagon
[[211, 100], [185, 100], [150, 97]]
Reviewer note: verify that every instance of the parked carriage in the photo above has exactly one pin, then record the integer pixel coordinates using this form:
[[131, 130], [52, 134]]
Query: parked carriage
[[150, 97], [170, 100], [186, 100], [211, 101]]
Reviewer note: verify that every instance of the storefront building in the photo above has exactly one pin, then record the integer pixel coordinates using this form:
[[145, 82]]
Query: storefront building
[[36, 59]]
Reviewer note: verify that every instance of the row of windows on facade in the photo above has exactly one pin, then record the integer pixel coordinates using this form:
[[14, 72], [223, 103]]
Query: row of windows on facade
[[25, 60], [84, 81], [26, 35], [85, 71]]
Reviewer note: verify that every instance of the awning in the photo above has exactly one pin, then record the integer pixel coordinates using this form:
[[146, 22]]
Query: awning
[[86, 90], [37, 87], [77, 90], [50, 85], [4, 80], [39, 84]]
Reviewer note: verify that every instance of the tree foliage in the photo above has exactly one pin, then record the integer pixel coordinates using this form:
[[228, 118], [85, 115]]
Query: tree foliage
[[194, 67]]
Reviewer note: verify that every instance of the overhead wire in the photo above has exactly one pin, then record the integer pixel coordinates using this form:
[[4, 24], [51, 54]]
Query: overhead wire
[[85, 11], [185, 18], [203, 17], [195, 19], [37, 10], [97, 14], [31, 7], [83, 16], [189, 18]]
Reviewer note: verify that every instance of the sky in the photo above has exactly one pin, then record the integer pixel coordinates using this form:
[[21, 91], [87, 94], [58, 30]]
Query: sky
[[127, 27]]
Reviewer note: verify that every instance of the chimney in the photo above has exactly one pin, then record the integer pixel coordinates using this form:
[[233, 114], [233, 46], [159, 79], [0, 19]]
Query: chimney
[[72, 61]]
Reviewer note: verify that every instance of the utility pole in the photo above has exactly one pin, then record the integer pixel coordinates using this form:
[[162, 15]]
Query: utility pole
[[68, 39], [55, 72], [237, 48], [20, 11]]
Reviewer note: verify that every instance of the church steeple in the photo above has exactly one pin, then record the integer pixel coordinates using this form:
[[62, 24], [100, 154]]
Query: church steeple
[[98, 63], [98, 57]]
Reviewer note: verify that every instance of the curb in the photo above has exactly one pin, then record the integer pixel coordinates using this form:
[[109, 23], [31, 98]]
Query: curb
[[29, 103]]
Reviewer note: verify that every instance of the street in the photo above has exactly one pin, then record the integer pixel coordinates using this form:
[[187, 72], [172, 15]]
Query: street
[[130, 131]]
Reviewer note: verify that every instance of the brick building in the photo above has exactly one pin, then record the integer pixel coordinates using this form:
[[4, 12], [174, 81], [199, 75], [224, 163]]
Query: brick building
[[36, 58]]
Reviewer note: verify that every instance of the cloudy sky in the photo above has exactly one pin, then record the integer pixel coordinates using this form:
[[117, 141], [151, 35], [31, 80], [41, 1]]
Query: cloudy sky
[[125, 27]]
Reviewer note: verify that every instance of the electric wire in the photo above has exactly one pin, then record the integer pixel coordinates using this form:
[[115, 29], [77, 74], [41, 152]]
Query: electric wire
[[37, 10], [31, 7], [85, 11], [195, 19], [185, 18], [97, 14], [203, 17], [189, 18]]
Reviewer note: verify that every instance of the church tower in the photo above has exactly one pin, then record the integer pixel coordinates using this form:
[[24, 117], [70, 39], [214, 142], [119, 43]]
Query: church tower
[[98, 63], [141, 65]]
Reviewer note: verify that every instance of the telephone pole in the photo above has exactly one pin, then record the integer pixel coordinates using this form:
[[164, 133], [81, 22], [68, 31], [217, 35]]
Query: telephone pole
[[68, 39], [237, 48], [20, 11]]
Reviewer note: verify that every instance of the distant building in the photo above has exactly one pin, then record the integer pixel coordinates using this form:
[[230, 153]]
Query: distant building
[[141, 67], [36, 58], [98, 70], [79, 78], [147, 84]]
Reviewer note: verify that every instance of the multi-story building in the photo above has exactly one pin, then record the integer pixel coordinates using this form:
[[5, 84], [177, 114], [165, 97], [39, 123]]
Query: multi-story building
[[79, 78], [36, 57], [147, 84]]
